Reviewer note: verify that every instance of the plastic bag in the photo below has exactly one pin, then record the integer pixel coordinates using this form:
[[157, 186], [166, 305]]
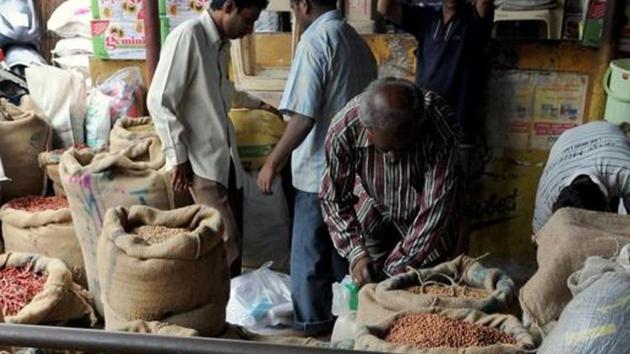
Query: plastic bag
[[19, 23], [344, 306], [120, 95], [261, 298], [61, 95], [71, 19]]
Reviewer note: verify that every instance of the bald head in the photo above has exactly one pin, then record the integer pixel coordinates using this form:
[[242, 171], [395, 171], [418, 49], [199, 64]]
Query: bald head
[[389, 103], [392, 110]]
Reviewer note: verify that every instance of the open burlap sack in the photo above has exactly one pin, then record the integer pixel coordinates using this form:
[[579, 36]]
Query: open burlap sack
[[369, 338], [129, 131], [155, 327], [48, 233], [22, 137], [61, 300], [390, 296], [182, 280], [564, 243], [96, 182], [49, 161]]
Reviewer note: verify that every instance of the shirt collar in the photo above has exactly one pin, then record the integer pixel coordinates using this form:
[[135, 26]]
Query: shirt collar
[[325, 17], [212, 32]]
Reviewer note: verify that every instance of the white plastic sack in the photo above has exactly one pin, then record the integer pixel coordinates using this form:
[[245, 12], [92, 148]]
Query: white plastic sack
[[120, 95], [98, 121], [71, 19], [61, 95], [73, 46], [79, 62], [266, 225], [261, 298]]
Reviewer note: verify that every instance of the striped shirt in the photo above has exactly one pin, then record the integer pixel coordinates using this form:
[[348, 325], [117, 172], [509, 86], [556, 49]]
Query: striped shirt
[[599, 150], [415, 194]]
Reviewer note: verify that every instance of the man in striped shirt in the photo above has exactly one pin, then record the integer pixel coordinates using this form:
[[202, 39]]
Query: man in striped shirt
[[588, 168], [390, 188]]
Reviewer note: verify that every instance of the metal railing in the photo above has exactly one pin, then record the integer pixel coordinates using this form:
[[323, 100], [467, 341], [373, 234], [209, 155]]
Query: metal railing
[[120, 342]]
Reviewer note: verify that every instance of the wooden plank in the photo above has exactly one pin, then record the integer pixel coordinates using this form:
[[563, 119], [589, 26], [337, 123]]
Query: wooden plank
[[48, 39]]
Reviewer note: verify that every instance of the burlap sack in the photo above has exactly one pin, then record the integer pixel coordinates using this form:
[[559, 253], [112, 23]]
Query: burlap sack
[[48, 233], [129, 131], [390, 296], [60, 301], [22, 137], [564, 243], [96, 182], [155, 327], [49, 162], [182, 280], [369, 338]]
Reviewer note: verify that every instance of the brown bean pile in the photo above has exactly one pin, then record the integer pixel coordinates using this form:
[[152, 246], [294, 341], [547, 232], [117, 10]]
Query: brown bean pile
[[450, 291], [156, 234], [18, 286], [34, 203], [429, 330]]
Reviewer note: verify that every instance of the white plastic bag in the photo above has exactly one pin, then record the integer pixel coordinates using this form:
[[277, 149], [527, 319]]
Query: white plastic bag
[[120, 95], [261, 298], [344, 306], [98, 122], [61, 95], [71, 19], [266, 227], [79, 62]]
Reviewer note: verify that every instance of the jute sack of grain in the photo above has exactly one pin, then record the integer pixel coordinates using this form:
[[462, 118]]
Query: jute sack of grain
[[23, 136], [564, 243], [47, 232], [156, 327], [49, 161], [60, 300], [96, 182], [257, 133], [370, 338], [129, 131], [495, 293], [173, 271]]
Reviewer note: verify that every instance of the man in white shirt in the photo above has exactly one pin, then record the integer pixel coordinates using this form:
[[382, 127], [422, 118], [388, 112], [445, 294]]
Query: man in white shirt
[[332, 64], [588, 168], [189, 100]]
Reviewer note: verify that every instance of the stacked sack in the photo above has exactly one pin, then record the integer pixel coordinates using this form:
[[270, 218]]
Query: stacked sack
[[96, 182], [71, 21], [441, 310], [42, 225], [166, 266], [564, 244]]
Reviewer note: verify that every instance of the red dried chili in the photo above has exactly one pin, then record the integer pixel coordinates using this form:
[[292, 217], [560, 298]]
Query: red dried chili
[[18, 286]]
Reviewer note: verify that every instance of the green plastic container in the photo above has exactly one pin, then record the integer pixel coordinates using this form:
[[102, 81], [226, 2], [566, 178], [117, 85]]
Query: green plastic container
[[617, 86]]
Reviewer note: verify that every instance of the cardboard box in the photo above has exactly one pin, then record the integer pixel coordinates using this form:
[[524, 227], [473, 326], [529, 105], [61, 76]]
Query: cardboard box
[[359, 10], [119, 10], [182, 8], [593, 26], [118, 39], [131, 10]]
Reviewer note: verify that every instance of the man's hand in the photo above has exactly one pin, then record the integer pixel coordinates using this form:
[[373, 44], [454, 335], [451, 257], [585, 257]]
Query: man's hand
[[265, 177], [270, 108], [362, 271], [182, 177]]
